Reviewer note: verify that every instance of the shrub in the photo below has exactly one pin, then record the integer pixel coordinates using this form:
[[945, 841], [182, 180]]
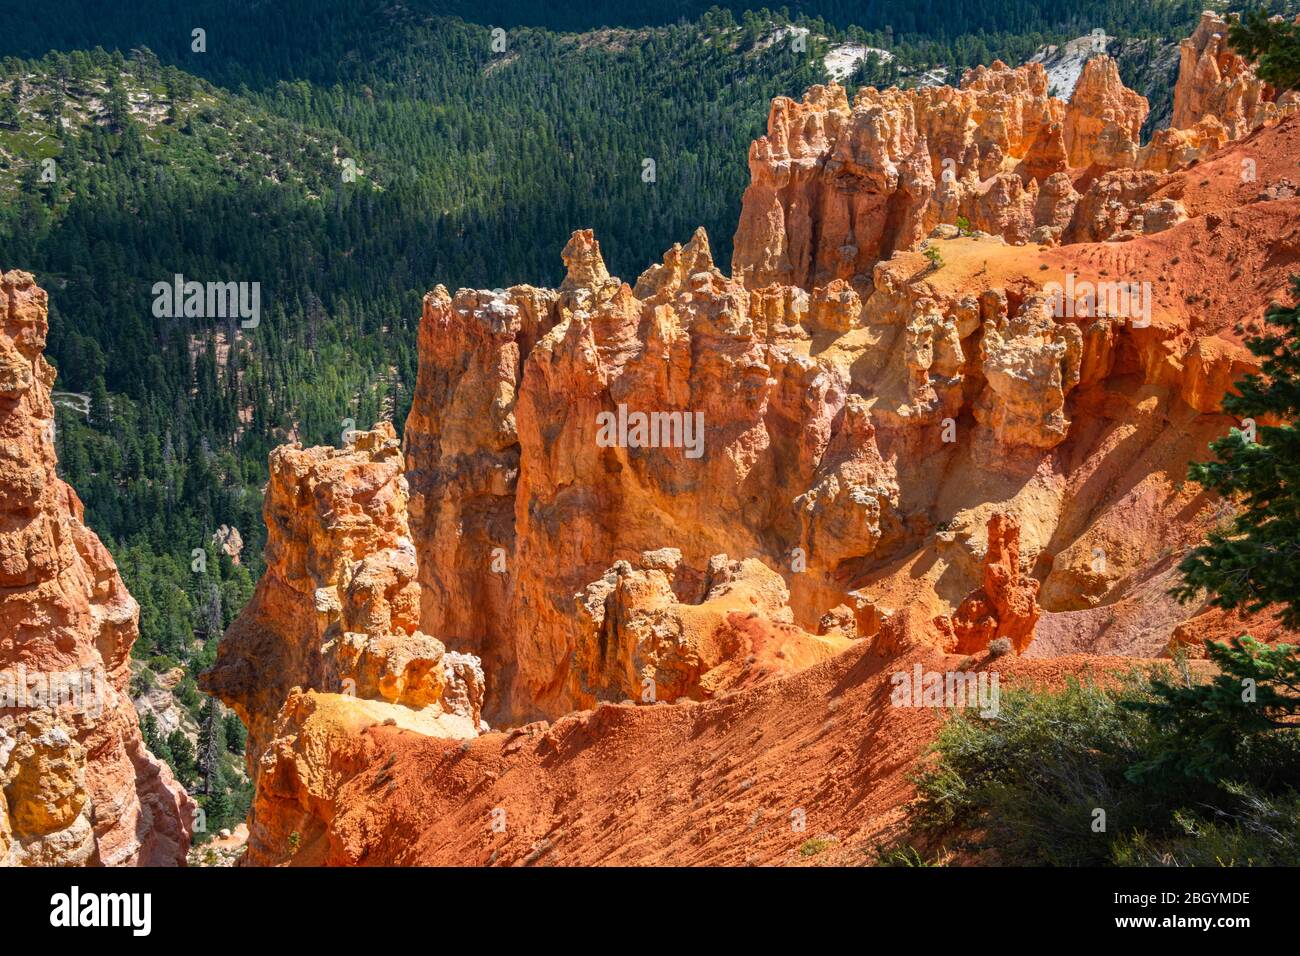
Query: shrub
[[906, 855], [813, 847], [1252, 830], [142, 682], [1239, 725], [1025, 783], [1186, 773], [999, 646]]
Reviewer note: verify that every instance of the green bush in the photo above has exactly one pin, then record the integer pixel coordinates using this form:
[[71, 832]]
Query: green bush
[[1253, 830], [1156, 770], [1026, 783], [142, 681], [813, 847]]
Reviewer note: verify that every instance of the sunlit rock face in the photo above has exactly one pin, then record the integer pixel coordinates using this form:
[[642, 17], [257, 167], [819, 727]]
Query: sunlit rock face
[[852, 398], [77, 786], [338, 608], [1215, 83], [945, 396], [330, 642], [836, 188]]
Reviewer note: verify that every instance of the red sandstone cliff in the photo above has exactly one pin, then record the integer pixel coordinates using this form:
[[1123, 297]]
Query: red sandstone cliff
[[77, 786], [895, 456], [837, 187], [1213, 81]]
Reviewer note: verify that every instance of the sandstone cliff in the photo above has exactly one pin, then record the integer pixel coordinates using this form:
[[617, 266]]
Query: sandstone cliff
[[1213, 81], [842, 387], [837, 187], [879, 436], [337, 610], [856, 440], [332, 630], [77, 786]]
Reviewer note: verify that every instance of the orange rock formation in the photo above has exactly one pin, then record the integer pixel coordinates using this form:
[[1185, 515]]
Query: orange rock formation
[[836, 189], [332, 634], [77, 786], [1006, 604], [1215, 82], [337, 609], [684, 491]]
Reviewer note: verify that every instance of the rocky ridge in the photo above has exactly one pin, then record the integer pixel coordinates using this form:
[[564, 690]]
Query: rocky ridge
[[1213, 81], [922, 413], [333, 630], [77, 786]]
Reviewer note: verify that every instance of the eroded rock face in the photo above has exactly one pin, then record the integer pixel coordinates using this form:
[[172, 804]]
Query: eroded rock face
[[799, 458], [462, 458], [700, 481], [637, 636], [723, 378], [1030, 362], [229, 541], [338, 608], [1103, 123], [1173, 148], [77, 786], [331, 637], [1215, 83], [835, 188], [841, 427], [317, 743], [1006, 605]]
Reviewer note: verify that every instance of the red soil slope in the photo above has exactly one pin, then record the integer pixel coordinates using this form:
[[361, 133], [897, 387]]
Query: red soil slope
[[711, 783]]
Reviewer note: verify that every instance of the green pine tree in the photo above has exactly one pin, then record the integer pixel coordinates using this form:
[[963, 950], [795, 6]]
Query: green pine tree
[[1275, 46], [220, 809], [1252, 563], [236, 735], [1241, 722], [182, 761], [212, 747], [152, 740]]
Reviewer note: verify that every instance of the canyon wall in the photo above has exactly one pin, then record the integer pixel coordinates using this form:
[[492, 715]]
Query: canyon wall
[[77, 786], [1215, 81], [331, 638], [837, 188], [947, 394], [862, 409], [838, 408], [860, 446]]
